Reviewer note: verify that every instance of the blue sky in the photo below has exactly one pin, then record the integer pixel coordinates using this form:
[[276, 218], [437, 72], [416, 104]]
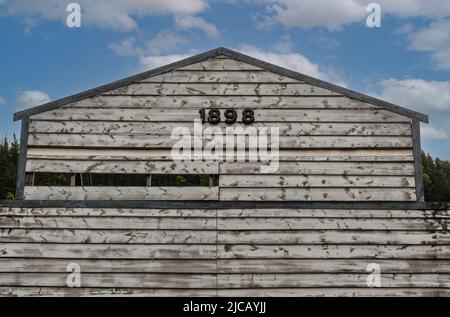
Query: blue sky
[[406, 60]]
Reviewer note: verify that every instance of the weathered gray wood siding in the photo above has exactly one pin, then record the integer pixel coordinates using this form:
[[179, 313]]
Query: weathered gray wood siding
[[224, 252], [333, 148]]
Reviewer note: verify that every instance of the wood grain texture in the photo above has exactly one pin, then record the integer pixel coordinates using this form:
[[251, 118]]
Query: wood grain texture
[[321, 168], [188, 115], [194, 223], [121, 280], [257, 89], [229, 213], [166, 128], [329, 280], [221, 64], [311, 155], [255, 237], [239, 252], [300, 181], [120, 236], [262, 292], [219, 77], [335, 292], [334, 251], [117, 167], [111, 265], [337, 236], [236, 102], [104, 292], [121, 193], [153, 141], [223, 266], [101, 251], [317, 194], [330, 224], [64, 222]]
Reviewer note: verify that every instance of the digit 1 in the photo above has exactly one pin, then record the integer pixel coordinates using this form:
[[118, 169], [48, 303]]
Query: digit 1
[[203, 115]]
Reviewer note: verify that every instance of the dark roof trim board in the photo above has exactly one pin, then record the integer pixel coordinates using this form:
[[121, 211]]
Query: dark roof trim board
[[210, 54]]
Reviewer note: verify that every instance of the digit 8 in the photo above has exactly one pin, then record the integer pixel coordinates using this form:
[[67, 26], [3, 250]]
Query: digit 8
[[214, 116], [248, 116]]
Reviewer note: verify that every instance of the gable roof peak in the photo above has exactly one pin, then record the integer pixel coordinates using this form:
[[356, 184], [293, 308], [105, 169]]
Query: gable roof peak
[[211, 54]]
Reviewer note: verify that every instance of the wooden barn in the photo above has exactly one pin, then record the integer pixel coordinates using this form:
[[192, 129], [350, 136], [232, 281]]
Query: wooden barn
[[98, 187]]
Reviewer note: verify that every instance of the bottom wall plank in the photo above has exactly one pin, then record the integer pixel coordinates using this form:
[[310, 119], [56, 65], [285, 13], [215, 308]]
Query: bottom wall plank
[[225, 281], [335, 292], [272, 292], [108, 292]]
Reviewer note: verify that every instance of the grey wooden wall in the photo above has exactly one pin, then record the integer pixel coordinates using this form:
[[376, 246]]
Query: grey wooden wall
[[224, 252], [333, 148]]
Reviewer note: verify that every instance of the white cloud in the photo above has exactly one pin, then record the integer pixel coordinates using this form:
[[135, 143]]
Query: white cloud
[[405, 29], [324, 41], [417, 93], [431, 97], [431, 133], [285, 45], [290, 60], [165, 41], [126, 48], [31, 98], [2, 101], [435, 39], [306, 14], [149, 54], [111, 14], [333, 15], [191, 22], [296, 62], [150, 62]]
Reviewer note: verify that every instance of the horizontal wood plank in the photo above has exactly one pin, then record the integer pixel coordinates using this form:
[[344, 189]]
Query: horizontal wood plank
[[65, 222], [155, 141], [125, 280], [335, 292], [304, 155], [107, 292], [101, 251], [317, 194], [375, 252], [110, 236], [178, 76], [109, 265], [121, 193], [225, 213], [286, 181], [321, 168], [222, 102], [223, 266], [330, 266], [158, 128], [189, 115], [329, 280], [291, 236], [330, 224], [118, 167], [257, 89], [261, 292], [221, 64], [342, 236]]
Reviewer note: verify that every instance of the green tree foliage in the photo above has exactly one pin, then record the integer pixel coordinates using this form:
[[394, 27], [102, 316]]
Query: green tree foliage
[[9, 157], [436, 179]]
